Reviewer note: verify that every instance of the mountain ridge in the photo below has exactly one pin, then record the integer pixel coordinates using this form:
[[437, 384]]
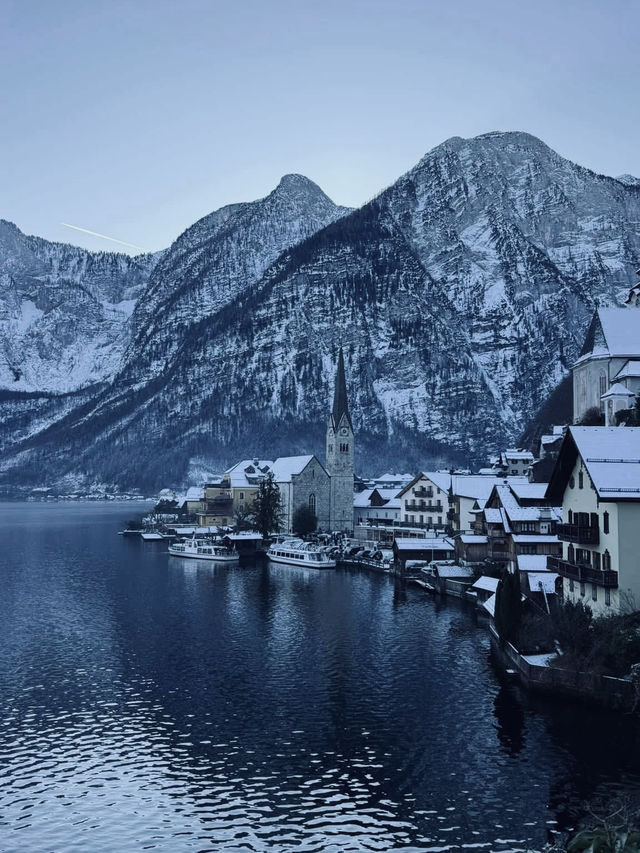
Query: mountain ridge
[[460, 293]]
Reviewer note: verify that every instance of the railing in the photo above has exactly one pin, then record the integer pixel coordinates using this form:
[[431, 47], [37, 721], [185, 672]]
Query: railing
[[580, 533], [582, 573], [423, 506], [423, 493]]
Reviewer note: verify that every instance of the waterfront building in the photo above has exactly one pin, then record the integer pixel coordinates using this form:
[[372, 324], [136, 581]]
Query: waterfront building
[[302, 481], [597, 481], [340, 454], [376, 506]]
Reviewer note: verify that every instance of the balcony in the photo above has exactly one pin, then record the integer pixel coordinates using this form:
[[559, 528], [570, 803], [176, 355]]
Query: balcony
[[421, 492], [582, 573], [582, 534]]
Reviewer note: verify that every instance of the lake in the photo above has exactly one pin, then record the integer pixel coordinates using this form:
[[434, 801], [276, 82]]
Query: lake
[[153, 703]]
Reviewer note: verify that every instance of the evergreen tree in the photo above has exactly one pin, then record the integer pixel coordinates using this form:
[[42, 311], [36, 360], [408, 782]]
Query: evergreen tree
[[304, 521], [267, 507]]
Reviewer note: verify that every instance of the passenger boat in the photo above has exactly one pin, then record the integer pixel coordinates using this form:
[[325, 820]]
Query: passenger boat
[[204, 549], [295, 552]]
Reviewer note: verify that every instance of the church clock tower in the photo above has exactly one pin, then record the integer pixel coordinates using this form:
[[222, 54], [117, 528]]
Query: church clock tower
[[340, 454]]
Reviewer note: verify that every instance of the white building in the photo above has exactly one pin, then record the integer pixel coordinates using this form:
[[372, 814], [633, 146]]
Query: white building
[[377, 506], [610, 357], [597, 481]]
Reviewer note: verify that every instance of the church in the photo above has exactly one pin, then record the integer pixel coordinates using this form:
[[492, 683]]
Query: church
[[303, 481]]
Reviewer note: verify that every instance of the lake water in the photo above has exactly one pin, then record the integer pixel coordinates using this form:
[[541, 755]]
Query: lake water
[[150, 703]]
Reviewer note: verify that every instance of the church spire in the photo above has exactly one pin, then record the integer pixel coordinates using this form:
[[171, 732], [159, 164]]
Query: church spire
[[340, 402]]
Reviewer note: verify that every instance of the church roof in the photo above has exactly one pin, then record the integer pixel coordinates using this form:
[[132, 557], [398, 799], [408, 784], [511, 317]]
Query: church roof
[[613, 333], [340, 400]]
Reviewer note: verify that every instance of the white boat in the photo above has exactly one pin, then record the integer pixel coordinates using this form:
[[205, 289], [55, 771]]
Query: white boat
[[204, 549], [295, 552]]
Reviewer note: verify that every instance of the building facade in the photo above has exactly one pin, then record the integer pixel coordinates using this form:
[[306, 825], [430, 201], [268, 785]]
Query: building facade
[[597, 481], [302, 482]]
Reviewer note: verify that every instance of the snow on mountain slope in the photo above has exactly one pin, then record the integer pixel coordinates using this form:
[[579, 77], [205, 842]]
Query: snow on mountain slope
[[461, 295], [64, 312]]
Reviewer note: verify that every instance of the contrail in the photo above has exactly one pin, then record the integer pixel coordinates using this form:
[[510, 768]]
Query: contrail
[[104, 236]]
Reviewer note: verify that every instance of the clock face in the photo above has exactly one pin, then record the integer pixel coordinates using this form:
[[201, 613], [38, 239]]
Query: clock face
[[343, 431]]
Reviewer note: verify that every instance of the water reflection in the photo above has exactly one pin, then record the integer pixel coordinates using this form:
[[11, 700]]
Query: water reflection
[[148, 702]]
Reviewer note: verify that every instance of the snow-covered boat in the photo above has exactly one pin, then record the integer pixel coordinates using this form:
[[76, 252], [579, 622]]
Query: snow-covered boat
[[295, 552], [204, 549]]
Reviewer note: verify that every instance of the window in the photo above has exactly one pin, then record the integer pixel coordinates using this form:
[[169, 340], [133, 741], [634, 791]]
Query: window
[[603, 383], [594, 592], [439, 519], [580, 480], [606, 561], [571, 584], [570, 517], [312, 503], [582, 589], [605, 522], [241, 496], [571, 554], [597, 560], [607, 596], [344, 447], [331, 448]]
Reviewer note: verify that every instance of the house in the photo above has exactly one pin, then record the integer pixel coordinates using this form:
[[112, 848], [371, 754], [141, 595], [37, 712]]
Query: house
[[303, 481], [513, 463], [424, 550], [610, 357], [597, 482], [519, 523], [376, 506]]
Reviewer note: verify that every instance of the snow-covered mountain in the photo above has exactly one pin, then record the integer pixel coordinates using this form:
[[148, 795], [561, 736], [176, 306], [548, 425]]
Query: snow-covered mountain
[[460, 294], [64, 312]]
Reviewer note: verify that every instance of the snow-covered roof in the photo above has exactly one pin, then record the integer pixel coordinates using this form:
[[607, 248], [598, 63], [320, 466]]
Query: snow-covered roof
[[490, 605], [631, 370], [436, 544], [532, 562], [473, 539], [492, 515], [621, 328], [542, 581], [363, 499], [245, 536], [286, 467], [521, 455], [530, 491], [476, 486], [617, 390], [451, 570], [248, 472], [512, 508], [486, 583], [612, 458], [194, 493]]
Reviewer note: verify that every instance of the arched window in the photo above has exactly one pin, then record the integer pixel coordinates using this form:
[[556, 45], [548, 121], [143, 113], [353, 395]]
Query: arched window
[[606, 561], [603, 382], [580, 480], [571, 554], [312, 503], [605, 522], [570, 517]]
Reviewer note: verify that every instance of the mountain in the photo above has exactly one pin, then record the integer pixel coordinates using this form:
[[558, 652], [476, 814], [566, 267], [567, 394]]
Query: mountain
[[64, 312], [460, 294]]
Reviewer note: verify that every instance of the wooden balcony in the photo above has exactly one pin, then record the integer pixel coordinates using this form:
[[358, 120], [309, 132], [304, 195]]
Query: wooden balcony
[[579, 533], [582, 573]]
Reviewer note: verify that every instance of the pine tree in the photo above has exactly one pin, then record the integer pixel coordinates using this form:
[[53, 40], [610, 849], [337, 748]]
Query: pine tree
[[267, 507]]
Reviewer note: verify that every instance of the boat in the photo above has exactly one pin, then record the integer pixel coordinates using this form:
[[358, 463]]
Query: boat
[[295, 552], [204, 549]]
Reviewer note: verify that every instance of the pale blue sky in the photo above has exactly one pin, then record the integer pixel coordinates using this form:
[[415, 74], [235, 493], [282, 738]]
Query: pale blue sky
[[134, 118]]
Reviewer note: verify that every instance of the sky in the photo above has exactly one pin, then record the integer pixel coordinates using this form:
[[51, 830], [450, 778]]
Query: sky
[[134, 119]]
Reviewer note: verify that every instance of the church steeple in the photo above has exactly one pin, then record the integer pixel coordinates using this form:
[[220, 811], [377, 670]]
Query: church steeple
[[340, 401], [340, 454]]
